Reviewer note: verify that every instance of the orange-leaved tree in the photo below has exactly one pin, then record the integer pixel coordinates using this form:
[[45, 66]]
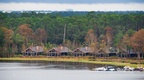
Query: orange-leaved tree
[[91, 40], [8, 33], [109, 36], [25, 31], [137, 42]]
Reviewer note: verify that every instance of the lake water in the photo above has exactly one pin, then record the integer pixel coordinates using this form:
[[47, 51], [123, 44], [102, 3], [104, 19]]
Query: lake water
[[40, 70]]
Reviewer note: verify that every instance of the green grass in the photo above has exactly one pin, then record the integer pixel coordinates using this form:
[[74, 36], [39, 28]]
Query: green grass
[[116, 62]]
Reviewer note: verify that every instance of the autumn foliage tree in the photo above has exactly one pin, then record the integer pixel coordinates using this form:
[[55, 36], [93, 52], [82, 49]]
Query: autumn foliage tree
[[90, 37], [25, 31], [91, 40], [109, 36], [40, 35], [8, 33], [125, 45], [137, 42]]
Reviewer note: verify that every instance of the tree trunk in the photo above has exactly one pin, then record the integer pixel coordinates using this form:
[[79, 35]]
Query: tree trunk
[[138, 55], [126, 55], [142, 55]]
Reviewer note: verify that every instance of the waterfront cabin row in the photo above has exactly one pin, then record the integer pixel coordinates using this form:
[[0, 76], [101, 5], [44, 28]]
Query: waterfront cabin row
[[65, 51], [57, 51]]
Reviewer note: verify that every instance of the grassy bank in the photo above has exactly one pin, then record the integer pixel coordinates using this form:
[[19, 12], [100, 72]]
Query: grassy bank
[[117, 62]]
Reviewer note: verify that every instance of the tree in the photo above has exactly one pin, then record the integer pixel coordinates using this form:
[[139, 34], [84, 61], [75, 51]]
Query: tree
[[8, 33], [18, 40], [130, 32], [109, 36], [118, 42], [90, 37], [91, 40], [125, 45], [137, 42], [41, 35], [103, 48], [26, 32], [2, 40]]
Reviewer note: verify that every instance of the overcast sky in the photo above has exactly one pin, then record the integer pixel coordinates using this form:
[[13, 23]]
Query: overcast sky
[[76, 5], [75, 1]]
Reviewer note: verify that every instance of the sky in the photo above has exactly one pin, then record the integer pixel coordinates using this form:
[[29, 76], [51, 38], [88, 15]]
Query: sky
[[75, 5]]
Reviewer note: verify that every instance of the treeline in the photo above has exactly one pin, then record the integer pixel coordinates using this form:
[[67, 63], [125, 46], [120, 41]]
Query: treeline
[[103, 30]]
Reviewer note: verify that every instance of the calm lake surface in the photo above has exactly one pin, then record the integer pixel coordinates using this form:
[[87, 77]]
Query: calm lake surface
[[42, 70]]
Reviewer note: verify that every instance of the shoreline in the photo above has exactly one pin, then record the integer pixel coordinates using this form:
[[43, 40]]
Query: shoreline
[[97, 61]]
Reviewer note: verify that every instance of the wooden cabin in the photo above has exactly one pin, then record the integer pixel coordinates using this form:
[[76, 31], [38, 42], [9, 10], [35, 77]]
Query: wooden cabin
[[33, 51], [83, 51], [59, 51]]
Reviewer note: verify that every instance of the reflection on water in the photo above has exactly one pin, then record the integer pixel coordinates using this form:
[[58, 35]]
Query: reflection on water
[[51, 70], [48, 65]]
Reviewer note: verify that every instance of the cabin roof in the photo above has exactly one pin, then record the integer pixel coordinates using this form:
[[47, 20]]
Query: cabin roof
[[84, 49], [105, 50], [60, 49], [35, 49]]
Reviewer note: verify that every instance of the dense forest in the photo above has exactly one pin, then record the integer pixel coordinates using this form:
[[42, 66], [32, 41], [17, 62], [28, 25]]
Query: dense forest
[[121, 31]]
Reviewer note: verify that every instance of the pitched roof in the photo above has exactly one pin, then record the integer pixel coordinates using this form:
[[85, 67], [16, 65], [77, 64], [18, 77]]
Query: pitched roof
[[60, 49], [84, 49], [35, 49], [105, 50]]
